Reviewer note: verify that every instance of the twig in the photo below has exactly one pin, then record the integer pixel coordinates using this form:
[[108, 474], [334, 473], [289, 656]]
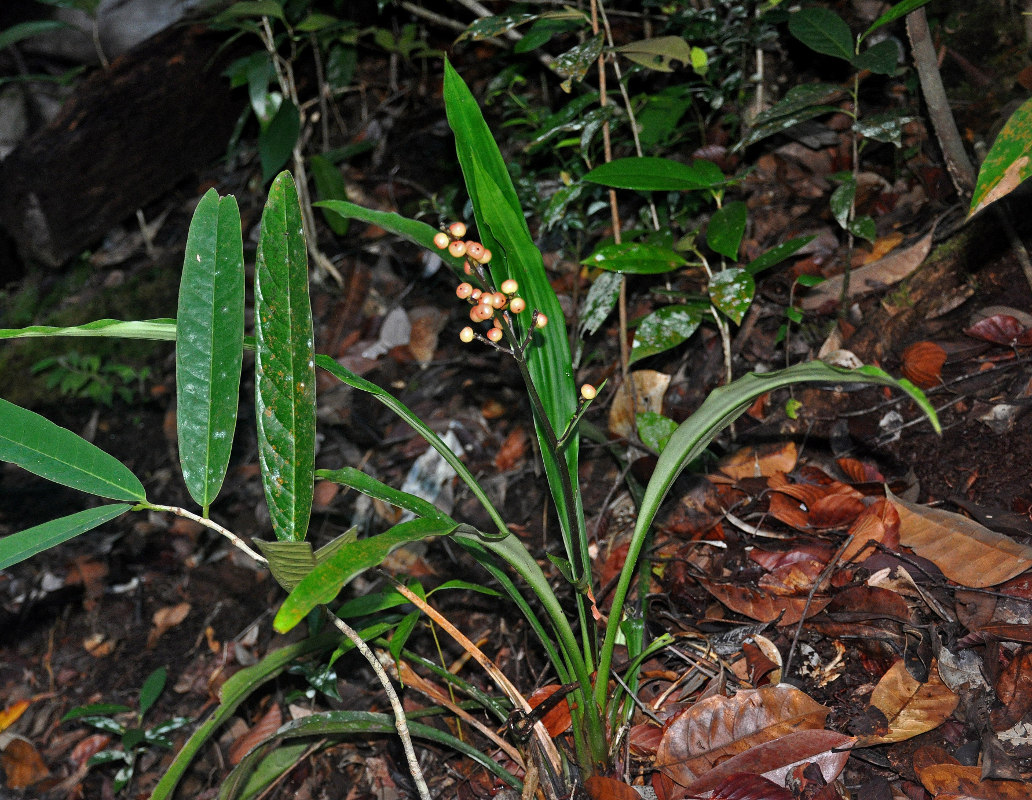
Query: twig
[[207, 523], [400, 722], [962, 173]]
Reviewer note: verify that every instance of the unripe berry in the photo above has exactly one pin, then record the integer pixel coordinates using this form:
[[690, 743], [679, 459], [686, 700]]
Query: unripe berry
[[441, 240], [499, 300], [475, 250], [509, 286], [467, 268], [588, 392], [463, 291], [486, 257], [540, 321], [517, 304], [495, 334], [475, 294], [457, 249], [457, 229], [466, 334]]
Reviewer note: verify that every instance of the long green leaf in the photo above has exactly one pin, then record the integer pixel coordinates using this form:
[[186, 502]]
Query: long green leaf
[[284, 363], [26, 30], [234, 691], [25, 544], [55, 453], [691, 438], [637, 258], [352, 723], [822, 30], [209, 345], [899, 10], [651, 174], [367, 485], [1008, 163], [324, 582], [161, 329]]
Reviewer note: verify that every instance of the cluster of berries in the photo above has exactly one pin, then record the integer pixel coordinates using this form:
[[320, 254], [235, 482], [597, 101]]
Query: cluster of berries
[[484, 302]]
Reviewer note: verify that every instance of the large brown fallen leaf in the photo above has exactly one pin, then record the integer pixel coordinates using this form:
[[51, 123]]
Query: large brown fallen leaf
[[968, 553], [649, 388], [22, 764], [165, 618], [718, 728], [911, 707], [869, 278], [256, 734], [774, 760], [760, 462], [764, 606], [956, 781]]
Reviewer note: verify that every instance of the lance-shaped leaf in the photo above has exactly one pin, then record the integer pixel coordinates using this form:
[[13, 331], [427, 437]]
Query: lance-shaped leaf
[[324, 582], [162, 329], [368, 485], [1008, 163], [25, 544], [209, 345], [55, 453], [726, 229], [638, 258], [284, 363], [649, 174]]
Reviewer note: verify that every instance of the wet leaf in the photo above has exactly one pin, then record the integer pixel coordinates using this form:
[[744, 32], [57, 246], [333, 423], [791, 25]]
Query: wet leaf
[[557, 720], [822, 31], [655, 430], [717, 728], [635, 258], [922, 364], [731, 291], [1001, 329], [575, 62], [664, 329], [600, 302], [486, 27], [842, 201], [911, 707], [1007, 164], [887, 127], [967, 553], [649, 386], [774, 760]]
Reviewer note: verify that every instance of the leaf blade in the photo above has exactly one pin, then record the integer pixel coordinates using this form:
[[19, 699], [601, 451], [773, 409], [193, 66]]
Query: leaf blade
[[24, 544]]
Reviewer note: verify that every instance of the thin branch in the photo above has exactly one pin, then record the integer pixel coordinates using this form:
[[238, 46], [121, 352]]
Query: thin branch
[[207, 523]]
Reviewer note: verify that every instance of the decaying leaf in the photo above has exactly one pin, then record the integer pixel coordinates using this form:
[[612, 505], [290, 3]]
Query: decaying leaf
[[1001, 329], [757, 462], [967, 553], [256, 734], [22, 763], [165, 618], [649, 388], [911, 707], [764, 606], [717, 728]]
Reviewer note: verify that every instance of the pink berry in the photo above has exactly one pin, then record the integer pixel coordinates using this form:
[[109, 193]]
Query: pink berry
[[495, 334], [463, 291], [475, 250], [517, 304], [499, 300], [467, 268], [441, 240], [457, 249], [540, 321], [486, 257], [457, 229]]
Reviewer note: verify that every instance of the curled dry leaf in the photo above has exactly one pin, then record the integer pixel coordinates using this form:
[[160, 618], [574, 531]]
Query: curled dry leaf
[[22, 763], [878, 523], [764, 606], [956, 781], [649, 388], [165, 618], [911, 707], [602, 788], [922, 364], [557, 720], [967, 553], [717, 728]]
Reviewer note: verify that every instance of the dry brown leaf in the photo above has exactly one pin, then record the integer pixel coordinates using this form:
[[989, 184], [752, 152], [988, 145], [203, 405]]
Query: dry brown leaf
[[954, 780], [877, 524], [968, 554], [760, 462], [775, 759], [557, 720], [10, 715], [717, 728], [22, 763], [256, 734], [427, 324], [911, 707], [165, 618], [764, 606], [602, 788], [1014, 689], [649, 388], [512, 451], [881, 273]]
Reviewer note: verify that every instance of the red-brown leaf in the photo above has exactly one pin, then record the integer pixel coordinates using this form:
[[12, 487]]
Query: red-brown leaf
[[764, 606], [258, 733], [599, 787], [999, 329], [557, 720], [922, 364], [748, 786]]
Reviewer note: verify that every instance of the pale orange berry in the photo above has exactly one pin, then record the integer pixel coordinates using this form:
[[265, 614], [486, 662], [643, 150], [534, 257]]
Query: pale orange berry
[[466, 334], [588, 392], [457, 249], [457, 229], [495, 334], [540, 321], [475, 294], [517, 304], [475, 250], [441, 240], [499, 300], [509, 286], [497, 322], [463, 291], [481, 312], [467, 268], [486, 257]]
